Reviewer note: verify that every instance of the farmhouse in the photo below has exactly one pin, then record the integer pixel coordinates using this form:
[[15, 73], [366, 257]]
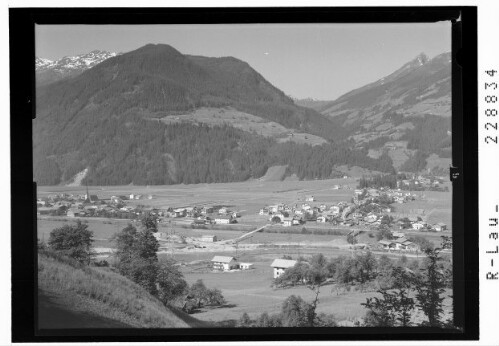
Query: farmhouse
[[310, 199], [280, 265], [335, 209], [199, 222], [246, 266], [208, 238], [387, 245], [322, 219], [439, 227], [224, 263], [180, 212], [224, 220], [287, 221], [418, 225], [73, 212]]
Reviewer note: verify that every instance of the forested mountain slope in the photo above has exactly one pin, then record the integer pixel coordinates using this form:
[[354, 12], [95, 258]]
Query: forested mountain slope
[[108, 119]]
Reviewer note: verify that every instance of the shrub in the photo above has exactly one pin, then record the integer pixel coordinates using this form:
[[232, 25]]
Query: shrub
[[72, 240]]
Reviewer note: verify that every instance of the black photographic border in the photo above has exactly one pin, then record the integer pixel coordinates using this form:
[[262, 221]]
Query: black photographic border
[[464, 145]]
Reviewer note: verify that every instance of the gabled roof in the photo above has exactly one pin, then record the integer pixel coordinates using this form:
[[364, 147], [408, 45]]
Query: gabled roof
[[385, 242], [223, 259], [283, 263]]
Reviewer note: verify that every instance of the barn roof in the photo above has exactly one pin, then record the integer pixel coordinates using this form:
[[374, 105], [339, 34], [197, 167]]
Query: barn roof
[[283, 263], [223, 259]]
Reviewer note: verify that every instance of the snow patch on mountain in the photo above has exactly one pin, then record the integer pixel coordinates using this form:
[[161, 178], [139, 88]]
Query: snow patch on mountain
[[78, 62]]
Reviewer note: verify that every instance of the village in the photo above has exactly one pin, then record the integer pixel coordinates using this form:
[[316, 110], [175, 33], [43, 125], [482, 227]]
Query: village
[[370, 211]]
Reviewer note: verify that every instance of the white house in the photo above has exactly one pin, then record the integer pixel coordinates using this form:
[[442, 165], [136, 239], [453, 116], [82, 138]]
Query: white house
[[418, 225], [208, 238], [224, 263], [387, 245], [287, 221], [310, 198], [335, 209], [322, 219], [370, 218], [439, 227], [273, 208], [280, 265], [246, 266], [224, 220], [73, 212], [263, 211], [222, 211], [180, 212]]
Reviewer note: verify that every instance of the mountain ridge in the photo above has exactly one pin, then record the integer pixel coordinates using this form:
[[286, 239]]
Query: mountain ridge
[[48, 71]]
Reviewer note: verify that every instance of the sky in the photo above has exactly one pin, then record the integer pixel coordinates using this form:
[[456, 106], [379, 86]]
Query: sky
[[321, 61]]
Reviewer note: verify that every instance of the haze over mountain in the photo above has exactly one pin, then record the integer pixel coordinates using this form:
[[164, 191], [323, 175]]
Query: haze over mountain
[[157, 116]]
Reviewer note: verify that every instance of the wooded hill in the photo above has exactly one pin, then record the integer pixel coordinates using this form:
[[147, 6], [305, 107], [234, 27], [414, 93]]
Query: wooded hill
[[107, 120]]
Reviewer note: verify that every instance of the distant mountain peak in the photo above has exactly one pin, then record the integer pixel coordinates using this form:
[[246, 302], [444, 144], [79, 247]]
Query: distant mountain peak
[[82, 61], [48, 71]]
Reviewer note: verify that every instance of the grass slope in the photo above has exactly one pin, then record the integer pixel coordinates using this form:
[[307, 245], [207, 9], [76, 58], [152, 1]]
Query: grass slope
[[74, 296]]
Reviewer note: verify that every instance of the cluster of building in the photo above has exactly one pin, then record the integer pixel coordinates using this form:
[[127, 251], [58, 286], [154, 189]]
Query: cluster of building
[[421, 182], [88, 205], [367, 208], [228, 263]]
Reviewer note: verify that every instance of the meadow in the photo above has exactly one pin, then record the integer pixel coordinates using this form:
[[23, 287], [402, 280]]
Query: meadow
[[251, 291]]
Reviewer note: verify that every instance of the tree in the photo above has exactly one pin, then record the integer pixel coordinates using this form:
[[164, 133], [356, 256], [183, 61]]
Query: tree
[[423, 243], [383, 232], [170, 281], [149, 222], [446, 242], [403, 304], [430, 286], [365, 266], [380, 310], [276, 219], [73, 240], [199, 295], [137, 258], [395, 305], [351, 239], [313, 275], [245, 321], [297, 313]]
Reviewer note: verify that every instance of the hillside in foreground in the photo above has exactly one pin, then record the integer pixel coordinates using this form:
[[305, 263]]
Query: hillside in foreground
[[74, 296]]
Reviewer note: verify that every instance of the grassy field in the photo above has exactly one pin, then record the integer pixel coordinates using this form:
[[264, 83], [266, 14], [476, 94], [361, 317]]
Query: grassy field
[[245, 122], [104, 294], [251, 292], [248, 196]]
